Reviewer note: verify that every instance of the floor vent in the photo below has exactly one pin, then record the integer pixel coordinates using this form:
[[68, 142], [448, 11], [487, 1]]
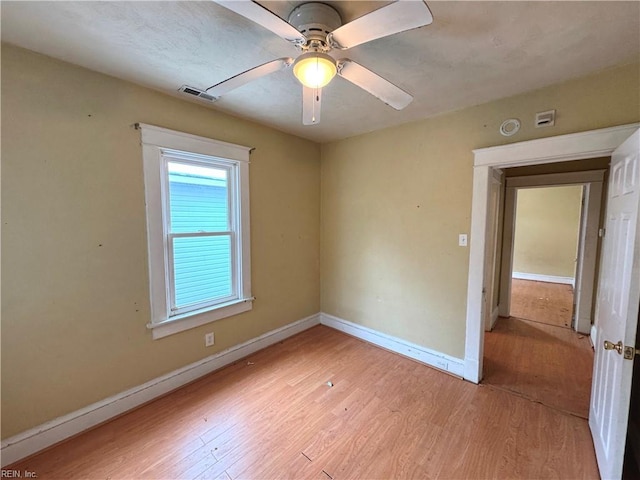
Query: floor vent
[[196, 92]]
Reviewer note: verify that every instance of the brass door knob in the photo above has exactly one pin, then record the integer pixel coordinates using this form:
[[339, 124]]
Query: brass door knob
[[613, 346]]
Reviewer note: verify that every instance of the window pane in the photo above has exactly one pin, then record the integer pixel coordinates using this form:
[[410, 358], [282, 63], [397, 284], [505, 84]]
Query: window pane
[[198, 198], [202, 269]]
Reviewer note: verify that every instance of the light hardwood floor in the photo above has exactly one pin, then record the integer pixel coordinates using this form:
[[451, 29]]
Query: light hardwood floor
[[550, 303], [534, 353], [273, 416], [548, 364]]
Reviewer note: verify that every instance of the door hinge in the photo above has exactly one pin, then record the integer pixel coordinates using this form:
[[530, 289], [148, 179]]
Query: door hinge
[[630, 352], [601, 232]]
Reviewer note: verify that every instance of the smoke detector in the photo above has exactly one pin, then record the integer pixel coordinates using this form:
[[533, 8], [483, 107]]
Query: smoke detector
[[510, 127]]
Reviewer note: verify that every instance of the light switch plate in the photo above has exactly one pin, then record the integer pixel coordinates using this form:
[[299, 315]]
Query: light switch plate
[[462, 240]]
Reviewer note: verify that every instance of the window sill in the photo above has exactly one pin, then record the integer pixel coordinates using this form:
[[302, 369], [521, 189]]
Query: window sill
[[190, 320]]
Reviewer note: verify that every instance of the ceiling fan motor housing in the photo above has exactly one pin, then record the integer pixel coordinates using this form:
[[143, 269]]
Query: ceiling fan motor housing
[[315, 21]]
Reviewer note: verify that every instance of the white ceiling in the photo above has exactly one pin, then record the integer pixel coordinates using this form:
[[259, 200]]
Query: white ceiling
[[474, 52]]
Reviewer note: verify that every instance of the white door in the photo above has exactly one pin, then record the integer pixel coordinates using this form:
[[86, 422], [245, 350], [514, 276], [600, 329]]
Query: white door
[[616, 316]]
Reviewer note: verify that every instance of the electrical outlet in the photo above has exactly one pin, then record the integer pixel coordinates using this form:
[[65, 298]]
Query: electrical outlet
[[209, 339]]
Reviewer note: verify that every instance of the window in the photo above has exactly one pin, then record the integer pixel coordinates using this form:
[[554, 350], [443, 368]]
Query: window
[[197, 199]]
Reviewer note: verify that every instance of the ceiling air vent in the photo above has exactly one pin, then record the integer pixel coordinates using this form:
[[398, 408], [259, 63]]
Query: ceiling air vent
[[196, 92]]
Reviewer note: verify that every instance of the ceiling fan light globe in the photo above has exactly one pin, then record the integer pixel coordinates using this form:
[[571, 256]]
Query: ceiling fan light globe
[[314, 70]]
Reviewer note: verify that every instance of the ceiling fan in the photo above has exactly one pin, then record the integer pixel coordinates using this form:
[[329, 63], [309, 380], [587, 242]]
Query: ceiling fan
[[316, 29]]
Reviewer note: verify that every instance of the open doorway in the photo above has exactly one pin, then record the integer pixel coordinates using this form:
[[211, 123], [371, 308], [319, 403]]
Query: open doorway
[[534, 348], [610, 400]]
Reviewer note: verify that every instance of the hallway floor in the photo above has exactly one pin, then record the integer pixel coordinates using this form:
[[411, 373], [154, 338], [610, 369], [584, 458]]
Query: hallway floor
[[550, 303], [536, 355]]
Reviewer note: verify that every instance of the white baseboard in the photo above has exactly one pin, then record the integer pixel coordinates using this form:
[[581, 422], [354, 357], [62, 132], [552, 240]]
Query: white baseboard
[[544, 278], [472, 370], [38, 438], [492, 320], [494, 317], [425, 355]]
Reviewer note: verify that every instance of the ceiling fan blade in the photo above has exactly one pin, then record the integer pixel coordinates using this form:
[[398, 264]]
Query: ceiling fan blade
[[266, 18], [311, 100], [374, 84], [394, 18], [243, 78]]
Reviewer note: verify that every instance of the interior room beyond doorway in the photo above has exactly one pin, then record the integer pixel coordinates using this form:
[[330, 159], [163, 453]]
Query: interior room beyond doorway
[[545, 251]]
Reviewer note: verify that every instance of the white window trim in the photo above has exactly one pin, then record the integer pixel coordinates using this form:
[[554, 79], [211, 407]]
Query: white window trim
[[154, 141]]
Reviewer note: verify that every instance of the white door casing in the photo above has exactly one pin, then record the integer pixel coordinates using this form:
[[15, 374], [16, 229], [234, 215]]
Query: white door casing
[[575, 146], [617, 310], [579, 254], [491, 280], [586, 278], [506, 264]]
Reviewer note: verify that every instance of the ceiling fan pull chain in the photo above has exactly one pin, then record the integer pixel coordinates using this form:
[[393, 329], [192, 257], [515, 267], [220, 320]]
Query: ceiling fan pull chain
[[316, 97]]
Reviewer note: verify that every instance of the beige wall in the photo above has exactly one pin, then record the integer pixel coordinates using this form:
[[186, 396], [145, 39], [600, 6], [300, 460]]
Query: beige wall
[[546, 234], [74, 264], [75, 296], [394, 202]]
